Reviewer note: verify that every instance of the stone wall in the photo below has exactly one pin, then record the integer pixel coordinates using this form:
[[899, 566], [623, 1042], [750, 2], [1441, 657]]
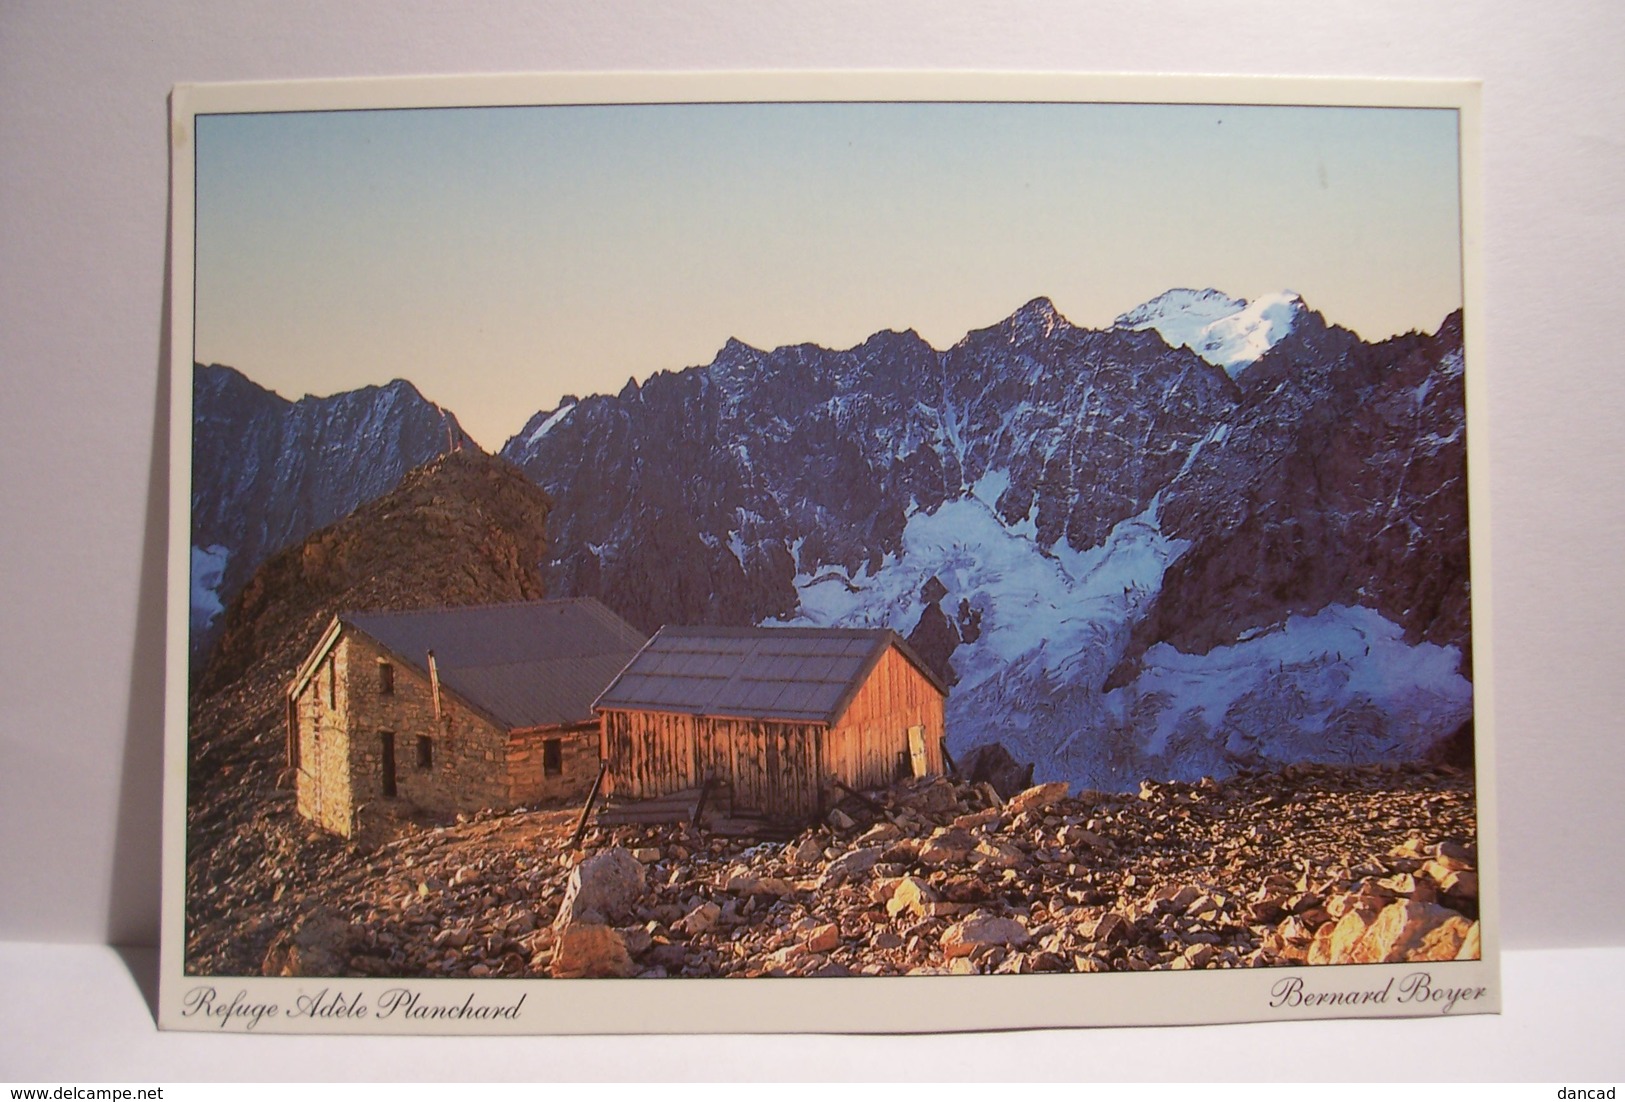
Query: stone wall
[[578, 761], [458, 763], [462, 762], [322, 781]]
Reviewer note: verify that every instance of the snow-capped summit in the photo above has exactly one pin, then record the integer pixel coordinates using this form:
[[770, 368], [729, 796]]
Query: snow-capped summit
[[1227, 332], [1181, 314]]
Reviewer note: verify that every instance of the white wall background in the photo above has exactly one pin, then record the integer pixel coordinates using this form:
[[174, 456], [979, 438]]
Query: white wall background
[[83, 231]]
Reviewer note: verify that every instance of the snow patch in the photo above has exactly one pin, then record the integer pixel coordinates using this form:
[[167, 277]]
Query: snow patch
[[1182, 315], [208, 570], [990, 486], [548, 425]]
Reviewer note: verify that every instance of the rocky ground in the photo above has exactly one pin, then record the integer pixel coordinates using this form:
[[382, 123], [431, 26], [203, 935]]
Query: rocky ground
[[1310, 864]]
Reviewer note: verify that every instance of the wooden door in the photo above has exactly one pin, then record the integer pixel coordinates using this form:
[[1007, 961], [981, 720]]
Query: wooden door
[[916, 751]]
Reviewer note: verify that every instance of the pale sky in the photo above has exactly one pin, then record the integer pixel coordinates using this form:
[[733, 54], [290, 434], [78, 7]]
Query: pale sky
[[500, 258]]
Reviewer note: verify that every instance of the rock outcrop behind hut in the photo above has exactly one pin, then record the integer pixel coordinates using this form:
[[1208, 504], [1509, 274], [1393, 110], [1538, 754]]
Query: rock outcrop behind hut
[[267, 472]]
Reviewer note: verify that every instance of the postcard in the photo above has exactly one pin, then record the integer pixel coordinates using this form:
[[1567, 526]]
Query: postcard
[[825, 552]]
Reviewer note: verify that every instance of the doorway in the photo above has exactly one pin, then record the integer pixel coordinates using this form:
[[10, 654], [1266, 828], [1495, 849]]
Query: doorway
[[388, 740]]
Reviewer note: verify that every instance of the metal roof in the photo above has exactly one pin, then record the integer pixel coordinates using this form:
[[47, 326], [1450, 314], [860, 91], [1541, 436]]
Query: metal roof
[[532, 664], [797, 674]]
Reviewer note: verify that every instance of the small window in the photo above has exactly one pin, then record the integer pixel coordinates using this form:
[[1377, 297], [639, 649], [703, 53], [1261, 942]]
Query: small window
[[332, 683], [552, 758], [425, 752], [386, 679]]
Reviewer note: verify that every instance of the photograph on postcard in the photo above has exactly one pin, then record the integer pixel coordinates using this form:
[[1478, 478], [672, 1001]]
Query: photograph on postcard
[[860, 539]]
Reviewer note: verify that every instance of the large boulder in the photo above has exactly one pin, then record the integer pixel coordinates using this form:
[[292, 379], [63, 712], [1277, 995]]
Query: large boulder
[[589, 951], [992, 763], [1037, 798], [965, 937], [603, 889], [850, 866]]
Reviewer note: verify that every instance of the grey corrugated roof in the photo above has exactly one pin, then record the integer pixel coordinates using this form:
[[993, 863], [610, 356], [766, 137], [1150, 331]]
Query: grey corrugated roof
[[535, 664], [799, 674]]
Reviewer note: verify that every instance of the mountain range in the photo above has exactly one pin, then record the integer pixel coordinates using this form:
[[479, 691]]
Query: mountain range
[[1213, 535]]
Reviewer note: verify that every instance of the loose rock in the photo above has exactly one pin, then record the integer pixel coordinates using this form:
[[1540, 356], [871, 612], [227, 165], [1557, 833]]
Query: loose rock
[[605, 887]]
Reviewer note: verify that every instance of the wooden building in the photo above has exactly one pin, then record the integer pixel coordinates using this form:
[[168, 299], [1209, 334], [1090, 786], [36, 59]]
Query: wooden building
[[776, 713], [451, 709]]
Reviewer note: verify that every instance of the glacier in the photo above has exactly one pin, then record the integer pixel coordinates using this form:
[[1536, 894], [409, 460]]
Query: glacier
[[1341, 685]]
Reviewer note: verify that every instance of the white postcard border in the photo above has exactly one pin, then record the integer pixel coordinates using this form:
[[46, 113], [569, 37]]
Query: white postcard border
[[880, 1005]]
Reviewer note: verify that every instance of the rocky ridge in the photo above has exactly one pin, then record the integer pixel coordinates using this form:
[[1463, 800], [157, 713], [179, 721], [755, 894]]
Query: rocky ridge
[[1306, 865], [267, 472]]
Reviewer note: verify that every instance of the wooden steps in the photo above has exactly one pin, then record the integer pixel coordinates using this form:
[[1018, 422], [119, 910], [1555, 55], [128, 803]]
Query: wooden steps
[[679, 807], [675, 807]]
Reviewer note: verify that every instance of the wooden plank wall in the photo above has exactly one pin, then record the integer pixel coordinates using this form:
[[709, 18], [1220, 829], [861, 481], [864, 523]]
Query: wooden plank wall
[[775, 768], [649, 754], [863, 747]]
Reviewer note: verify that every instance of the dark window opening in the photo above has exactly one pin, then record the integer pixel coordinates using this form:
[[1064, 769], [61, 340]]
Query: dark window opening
[[388, 740], [552, 758], [332, 683], [425, 752], [386, 679]]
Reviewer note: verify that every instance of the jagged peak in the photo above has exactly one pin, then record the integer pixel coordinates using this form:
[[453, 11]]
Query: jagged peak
[[401, 385], [735, 355], [1035, 318], [1038, 310], [893, 339]]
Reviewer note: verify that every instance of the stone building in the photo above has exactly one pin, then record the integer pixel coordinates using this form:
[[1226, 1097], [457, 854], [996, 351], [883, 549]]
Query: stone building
[[451, 709], [775, 714]]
